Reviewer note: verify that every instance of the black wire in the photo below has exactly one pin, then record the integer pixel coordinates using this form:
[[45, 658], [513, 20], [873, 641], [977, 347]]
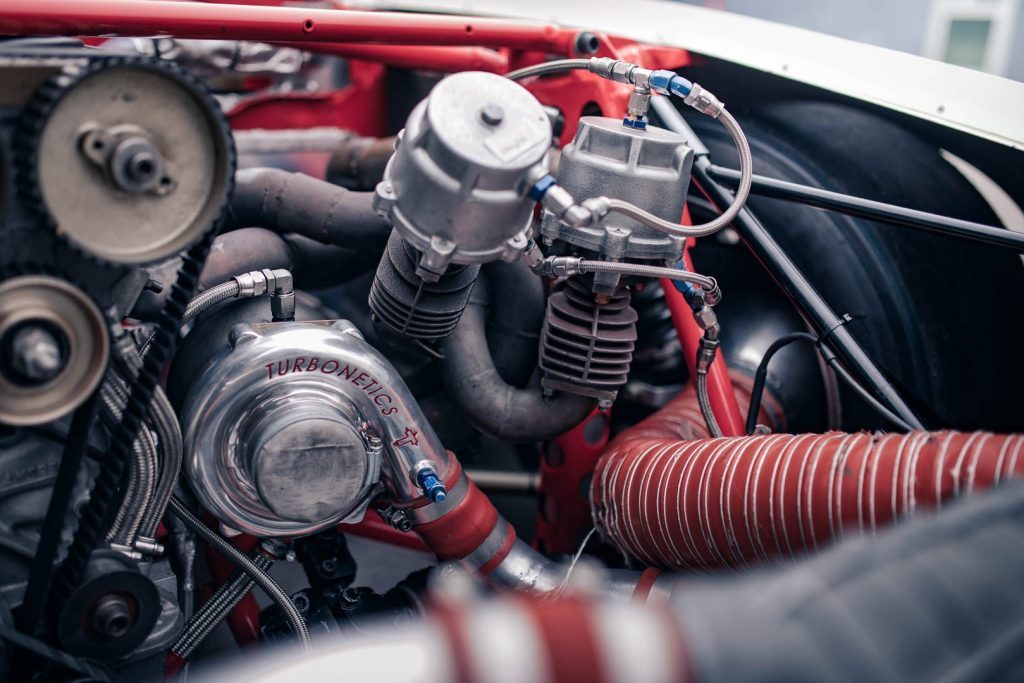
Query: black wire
[[757, 392], [32, 619], [880, 212], [874, 403]]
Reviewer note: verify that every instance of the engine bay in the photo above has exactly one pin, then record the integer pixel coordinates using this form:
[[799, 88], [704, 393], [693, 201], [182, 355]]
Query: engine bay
[[648, 387]]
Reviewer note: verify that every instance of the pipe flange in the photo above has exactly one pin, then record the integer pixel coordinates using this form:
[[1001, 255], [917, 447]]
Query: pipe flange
[[128, 159], [54, 347]]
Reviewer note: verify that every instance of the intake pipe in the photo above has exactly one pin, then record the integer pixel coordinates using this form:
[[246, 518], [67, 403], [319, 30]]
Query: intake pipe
[[939, 598], [467, 529], [475, 383], [294, 202], [514, 297], [358, 163], [670, 497]]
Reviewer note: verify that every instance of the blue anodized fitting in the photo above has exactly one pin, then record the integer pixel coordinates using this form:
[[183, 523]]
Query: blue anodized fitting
[[433, 487]]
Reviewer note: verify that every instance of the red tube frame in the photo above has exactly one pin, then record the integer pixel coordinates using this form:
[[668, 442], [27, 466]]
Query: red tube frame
[[376, 529], [432, 58], [720, 389], [272, 24]]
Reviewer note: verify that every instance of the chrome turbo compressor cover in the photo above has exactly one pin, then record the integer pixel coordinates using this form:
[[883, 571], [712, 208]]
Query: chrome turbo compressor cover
[[287, 430]]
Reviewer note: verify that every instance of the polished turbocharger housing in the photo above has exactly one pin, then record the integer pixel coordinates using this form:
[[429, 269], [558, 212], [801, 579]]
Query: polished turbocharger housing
[[288, 429], [456, 187]]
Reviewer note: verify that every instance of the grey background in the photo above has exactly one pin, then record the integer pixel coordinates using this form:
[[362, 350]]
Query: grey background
[[895, 24]]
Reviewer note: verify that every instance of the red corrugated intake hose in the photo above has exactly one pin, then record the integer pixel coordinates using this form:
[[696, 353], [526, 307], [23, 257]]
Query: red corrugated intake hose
[[669, 496]]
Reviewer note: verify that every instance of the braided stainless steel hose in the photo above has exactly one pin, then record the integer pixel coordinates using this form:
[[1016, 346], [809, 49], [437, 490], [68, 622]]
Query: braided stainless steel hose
[[168, 430], [565, 266], [548, 68], [217, 607], [705, 282], [210, 298], [146, 500], [262, 579], [704, 401]]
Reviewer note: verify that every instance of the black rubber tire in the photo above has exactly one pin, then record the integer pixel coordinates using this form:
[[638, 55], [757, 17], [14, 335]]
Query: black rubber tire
[[942, 316]]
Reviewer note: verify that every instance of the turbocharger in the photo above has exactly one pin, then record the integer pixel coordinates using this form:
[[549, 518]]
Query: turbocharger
[[304, 425]]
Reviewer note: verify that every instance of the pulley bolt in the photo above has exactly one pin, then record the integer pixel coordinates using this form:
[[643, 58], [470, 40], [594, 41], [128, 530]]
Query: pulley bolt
[[432, 486], [492, 114], [135, 165], [112, 616], [36, 354]]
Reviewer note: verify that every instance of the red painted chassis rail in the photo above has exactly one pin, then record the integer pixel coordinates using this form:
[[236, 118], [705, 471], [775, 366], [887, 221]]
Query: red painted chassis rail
[[272, 24]]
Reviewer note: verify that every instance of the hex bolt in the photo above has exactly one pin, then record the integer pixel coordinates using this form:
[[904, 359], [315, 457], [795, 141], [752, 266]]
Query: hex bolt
[[432, 486], [37, 355], [301, 602], [492, 114], [112, 616], [279, 550], [135, 165], [397, 518], [350, 596]]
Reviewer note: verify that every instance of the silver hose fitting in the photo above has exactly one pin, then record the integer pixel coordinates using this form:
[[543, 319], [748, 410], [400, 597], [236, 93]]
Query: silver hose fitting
[[704, 102], [277, 282]]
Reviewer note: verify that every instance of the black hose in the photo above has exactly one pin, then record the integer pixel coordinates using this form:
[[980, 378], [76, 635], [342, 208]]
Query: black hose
[[358, 163], [262, 579], [832, 360], [492, 404], [761, 376], [514, 319], [294, 202], [240, 251], [319, 266]]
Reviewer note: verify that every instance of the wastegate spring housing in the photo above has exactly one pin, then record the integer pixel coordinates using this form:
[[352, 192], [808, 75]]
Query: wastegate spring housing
[[456, 192]]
